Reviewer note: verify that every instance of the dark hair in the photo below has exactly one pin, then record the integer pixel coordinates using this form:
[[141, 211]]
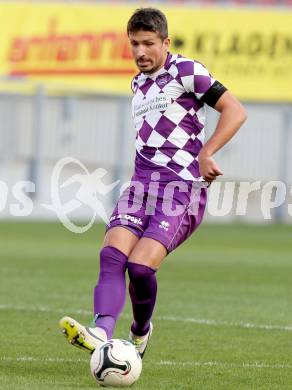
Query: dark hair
[[148, 19]]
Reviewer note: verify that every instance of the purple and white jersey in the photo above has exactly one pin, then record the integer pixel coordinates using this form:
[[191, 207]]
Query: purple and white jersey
[[169, 118]]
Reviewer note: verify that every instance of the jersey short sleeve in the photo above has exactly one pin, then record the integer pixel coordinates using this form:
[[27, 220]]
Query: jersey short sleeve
[[196, 79]]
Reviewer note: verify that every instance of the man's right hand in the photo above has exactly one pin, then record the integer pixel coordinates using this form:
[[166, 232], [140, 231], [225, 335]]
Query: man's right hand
[[208, 168]]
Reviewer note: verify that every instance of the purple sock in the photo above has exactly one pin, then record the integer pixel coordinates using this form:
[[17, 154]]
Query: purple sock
[[143, 291], [110, 292]]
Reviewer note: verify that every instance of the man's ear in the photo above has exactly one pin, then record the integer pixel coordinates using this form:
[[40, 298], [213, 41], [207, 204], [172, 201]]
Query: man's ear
[[166, 43]]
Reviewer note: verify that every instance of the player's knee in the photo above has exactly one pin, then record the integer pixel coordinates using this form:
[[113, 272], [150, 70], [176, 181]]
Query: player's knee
[[138, 272], [112, 260], [120, 238]]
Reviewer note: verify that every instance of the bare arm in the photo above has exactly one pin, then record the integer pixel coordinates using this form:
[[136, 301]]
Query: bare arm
[[232, 116]]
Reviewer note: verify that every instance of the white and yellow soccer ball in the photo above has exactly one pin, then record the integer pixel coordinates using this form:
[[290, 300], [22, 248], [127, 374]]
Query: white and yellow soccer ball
[[116, 363]]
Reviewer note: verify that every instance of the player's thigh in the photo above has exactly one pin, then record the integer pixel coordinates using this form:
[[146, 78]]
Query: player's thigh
[[149, 252], [121, 238]]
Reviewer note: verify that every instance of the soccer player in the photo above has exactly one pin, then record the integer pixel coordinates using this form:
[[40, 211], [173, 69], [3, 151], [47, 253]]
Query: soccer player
[[166, 200]]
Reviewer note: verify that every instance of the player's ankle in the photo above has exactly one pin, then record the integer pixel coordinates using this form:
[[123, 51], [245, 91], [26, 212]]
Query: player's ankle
[[139, 331], [99, 332]]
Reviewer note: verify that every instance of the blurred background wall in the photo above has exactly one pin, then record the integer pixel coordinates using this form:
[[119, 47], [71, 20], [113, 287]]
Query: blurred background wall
[[64, 92]]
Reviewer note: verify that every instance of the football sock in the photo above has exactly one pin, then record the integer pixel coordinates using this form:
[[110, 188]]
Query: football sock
[[143, 291], [110, 291]]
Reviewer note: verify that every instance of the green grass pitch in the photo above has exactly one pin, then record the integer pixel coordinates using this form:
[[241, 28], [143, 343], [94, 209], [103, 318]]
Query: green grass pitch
[[223, 319]]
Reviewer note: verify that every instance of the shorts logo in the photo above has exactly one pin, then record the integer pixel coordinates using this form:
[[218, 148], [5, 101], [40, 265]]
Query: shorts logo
[[164, 225], [127, 217]]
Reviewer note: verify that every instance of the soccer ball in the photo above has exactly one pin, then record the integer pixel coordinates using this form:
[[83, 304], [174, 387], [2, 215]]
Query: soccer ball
[[116, 363]]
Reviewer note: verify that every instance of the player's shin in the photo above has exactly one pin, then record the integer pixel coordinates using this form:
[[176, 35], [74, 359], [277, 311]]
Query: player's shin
[[143, 291], [110, 292]]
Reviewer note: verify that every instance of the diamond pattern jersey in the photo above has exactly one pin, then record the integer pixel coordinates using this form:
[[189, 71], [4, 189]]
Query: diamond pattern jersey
[[169, 118]]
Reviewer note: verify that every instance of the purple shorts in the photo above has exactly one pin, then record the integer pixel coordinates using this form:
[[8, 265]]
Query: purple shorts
[[166, 212]]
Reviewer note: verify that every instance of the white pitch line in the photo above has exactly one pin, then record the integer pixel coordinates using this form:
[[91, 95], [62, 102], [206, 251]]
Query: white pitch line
[[166, 363], [240, 324], [200, 321], [43, 309], [44, 360], [224, 364]]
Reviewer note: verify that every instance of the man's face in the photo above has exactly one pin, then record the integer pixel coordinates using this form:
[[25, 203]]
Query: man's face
[[148, 50]]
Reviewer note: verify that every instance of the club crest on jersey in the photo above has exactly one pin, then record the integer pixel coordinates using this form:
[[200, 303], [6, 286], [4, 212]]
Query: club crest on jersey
[[163, 80]]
